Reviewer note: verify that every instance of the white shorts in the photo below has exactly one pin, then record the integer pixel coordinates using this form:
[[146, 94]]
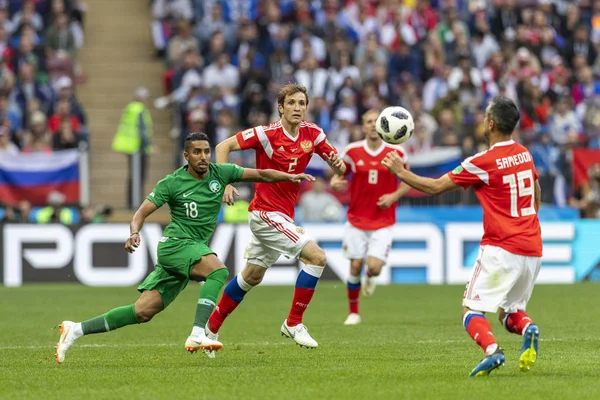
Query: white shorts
[[359, 244], [273, 234], [501, 279]]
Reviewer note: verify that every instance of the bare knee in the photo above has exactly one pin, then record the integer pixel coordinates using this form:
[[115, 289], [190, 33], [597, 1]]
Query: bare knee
[[374, 266], [148, 305], [253, 274], [312, 254], [145, 313], [318, 257], [356, 267]]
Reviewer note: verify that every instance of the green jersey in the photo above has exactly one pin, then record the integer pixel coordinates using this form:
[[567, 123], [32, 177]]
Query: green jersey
[[194, 203]]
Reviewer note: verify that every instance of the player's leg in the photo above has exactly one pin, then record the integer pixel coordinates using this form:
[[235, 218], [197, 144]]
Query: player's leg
[[380, 243], [512, 313], [259, 259], [490, 282], [214, 274], [143, 310], [353, 291], [355, 249]]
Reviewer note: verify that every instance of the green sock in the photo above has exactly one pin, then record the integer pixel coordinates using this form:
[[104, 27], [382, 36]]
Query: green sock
[[208, 296], [114, 319]]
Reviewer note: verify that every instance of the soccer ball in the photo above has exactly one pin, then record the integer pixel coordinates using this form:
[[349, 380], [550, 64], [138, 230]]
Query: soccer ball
[[395, 125]]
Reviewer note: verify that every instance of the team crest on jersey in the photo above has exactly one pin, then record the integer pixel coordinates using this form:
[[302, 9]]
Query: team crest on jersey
[[457, 170], [214, 186], [306, 145], [300, 230]]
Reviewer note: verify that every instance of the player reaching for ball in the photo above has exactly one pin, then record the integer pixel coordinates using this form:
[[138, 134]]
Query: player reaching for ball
[[510, 255], [285, 145], [194, 194], [374, 195]]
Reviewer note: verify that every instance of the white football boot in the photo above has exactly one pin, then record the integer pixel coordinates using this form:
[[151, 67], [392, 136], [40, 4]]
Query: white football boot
[[352, 319], [368, 286], [212, 336], [300, 335], [198, 342], [69, 333]]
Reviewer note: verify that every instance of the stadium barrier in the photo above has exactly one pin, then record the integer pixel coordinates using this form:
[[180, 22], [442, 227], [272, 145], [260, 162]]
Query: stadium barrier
[[434, 247]]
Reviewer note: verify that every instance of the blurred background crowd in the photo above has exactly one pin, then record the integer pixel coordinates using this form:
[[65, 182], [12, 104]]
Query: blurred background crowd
[[39, 41], [441, 59]]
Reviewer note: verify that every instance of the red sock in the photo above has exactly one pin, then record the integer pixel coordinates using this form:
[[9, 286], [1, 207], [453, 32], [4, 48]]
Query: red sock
[[479, 329], [301, 300], [353, 295], [517, 322], [222, 310]]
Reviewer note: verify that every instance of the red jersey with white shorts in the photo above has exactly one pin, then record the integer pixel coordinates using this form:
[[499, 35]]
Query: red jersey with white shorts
[[277, 149], [503, 178], [370, 180]]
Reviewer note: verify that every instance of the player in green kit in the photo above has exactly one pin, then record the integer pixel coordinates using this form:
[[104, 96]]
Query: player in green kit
[[194, 193]]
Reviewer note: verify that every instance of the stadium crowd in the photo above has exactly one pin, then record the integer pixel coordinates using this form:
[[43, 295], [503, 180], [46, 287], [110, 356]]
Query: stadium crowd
[[225, 60], [39, 41], [441, 59], [39, 110]]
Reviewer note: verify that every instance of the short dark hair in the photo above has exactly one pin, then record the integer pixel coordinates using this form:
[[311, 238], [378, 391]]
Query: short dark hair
[[504, 112], [194, 136]]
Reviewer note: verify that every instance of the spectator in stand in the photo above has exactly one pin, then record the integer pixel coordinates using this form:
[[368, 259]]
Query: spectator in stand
[[65, 138], [28, 88], [6, 145], [63, 113], [318, 205]]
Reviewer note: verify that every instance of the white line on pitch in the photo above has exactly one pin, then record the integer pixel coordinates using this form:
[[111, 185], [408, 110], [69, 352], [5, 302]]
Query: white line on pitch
[[115, 345]]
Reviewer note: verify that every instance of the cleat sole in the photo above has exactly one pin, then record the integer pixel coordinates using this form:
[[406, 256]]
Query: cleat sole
[[527, 359]]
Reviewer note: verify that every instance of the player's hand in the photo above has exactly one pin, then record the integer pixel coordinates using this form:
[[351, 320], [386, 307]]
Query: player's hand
[[393, 162], [386, 200], [133, 242], [228, 195], [297, 178], [338, 183], [336, 163]]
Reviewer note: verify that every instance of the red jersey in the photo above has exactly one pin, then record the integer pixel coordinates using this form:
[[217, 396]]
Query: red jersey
[[503, 178], [370, 180], [277, 149]]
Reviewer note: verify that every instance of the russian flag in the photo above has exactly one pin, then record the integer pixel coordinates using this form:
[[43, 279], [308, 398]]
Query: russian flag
[[33, 176], [433, 164]]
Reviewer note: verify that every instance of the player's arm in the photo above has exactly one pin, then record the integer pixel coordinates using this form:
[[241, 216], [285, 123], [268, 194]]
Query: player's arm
[[431, 186], [338, 183], [241, 141], [225, 147], [386, 200], [329, 154], [538, 195], [133, 241], [273, 176]]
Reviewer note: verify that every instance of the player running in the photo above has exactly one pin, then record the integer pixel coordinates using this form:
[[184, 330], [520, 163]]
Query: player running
[[286, 145], [194, 194], [510, 255], [374, 195]]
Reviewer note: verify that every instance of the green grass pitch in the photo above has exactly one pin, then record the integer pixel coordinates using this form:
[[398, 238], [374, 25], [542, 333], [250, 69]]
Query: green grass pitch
[[411, 345]]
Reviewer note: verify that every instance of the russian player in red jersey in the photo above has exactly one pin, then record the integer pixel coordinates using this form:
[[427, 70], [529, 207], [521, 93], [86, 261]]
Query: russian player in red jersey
[[510, 255], [374, 195], [286, 145]]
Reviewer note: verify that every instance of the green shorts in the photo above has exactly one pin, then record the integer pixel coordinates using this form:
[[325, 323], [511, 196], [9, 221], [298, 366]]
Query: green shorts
[[176, 259]]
